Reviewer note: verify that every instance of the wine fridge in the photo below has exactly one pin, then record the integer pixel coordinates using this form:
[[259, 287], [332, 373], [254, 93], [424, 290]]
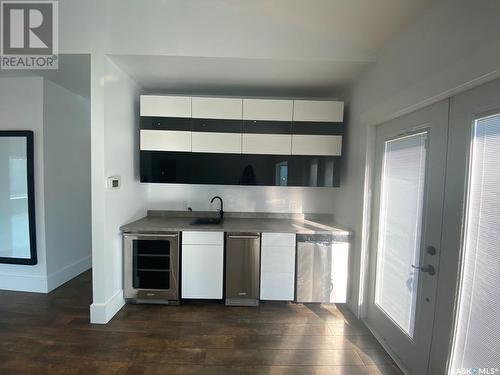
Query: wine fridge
[[151, 264]]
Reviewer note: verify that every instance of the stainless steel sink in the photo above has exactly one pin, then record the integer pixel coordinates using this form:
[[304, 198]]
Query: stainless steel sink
[[207, 221]]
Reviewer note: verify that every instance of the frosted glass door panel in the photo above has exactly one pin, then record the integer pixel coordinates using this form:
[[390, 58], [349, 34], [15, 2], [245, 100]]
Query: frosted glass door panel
[[15, 201], [478, 324], [400, 226]]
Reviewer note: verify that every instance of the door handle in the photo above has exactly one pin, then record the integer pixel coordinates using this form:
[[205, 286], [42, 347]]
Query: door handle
[[428, 269], [245, 237]]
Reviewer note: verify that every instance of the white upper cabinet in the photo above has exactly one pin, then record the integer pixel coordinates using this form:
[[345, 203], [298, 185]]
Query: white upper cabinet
[[229, 143], [318, 111], [217, 108], [165, 106], [165, 140], [270, 144], [320, 145], [267, 109]]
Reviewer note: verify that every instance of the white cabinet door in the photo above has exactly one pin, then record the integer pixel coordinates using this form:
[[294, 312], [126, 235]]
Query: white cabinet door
[[202, 264], [218, 108], [321, 145], [229, 143], [165, 140], [318, 111], [267, 109], [165, 106], [202, 271], [277, 266], [270, 144]]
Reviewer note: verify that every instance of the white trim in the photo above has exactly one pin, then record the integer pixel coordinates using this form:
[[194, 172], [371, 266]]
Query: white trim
[[23, 283], [68, 272], [101, 313], [364, 262]]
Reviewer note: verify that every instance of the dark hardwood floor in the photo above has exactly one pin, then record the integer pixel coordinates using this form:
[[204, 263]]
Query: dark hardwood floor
[[51, 334]]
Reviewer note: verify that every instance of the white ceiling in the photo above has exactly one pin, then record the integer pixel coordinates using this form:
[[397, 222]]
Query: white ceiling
[[278, 47], [234, 77]]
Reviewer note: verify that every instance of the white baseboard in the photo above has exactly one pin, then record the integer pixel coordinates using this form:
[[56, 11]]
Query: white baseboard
[[69, 272], [101, 313], [23, 283]]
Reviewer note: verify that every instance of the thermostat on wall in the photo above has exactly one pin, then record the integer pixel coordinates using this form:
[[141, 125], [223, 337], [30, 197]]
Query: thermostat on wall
[[114, 182]]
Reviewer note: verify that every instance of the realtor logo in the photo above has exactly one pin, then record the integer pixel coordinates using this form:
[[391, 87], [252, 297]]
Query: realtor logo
[[29, 34]]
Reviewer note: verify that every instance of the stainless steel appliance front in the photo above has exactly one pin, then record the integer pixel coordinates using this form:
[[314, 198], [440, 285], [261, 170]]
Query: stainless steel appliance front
[[151, 264], [242, 269], [321, 268]]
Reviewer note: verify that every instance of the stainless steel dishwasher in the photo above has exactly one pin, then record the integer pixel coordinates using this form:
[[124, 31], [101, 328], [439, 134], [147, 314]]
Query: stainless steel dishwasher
[[242, 269], [322, 268]]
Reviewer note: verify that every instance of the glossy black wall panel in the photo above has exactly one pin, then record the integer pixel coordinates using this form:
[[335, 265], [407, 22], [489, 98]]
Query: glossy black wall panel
[[215, 169], [165, 167], [235, 169], [290, 170], [190, 168]]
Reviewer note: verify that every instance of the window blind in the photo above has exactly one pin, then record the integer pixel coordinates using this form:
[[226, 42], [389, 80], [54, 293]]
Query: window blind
[[477, 335]]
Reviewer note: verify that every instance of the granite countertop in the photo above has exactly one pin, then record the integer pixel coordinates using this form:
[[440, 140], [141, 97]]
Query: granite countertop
[[175, 221]]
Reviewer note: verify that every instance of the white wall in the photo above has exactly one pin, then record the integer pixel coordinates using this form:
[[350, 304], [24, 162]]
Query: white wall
[[454, 45], [68, 231], [239, 198], [119, 146], [21, 108], [61, 124]]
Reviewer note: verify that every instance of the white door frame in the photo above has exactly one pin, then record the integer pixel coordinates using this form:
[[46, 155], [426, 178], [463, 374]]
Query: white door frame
[[449, 266], [464, 109], [434, 121]]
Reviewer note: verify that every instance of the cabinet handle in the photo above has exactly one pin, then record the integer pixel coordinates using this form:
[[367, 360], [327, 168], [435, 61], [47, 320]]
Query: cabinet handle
[[137, 236], [244, 237]]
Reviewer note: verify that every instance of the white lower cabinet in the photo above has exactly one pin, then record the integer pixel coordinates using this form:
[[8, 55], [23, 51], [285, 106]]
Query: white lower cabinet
[[277, 266], [202, 265]]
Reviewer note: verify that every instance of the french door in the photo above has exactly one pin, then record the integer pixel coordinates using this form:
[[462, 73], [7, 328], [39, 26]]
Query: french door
[[472, 232], [409, 177]]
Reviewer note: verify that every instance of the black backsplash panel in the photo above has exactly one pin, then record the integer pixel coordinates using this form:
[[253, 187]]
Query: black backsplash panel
[[236, 169]]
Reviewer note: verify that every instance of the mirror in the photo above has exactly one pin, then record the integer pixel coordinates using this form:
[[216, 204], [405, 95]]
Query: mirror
[[17, 201]]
